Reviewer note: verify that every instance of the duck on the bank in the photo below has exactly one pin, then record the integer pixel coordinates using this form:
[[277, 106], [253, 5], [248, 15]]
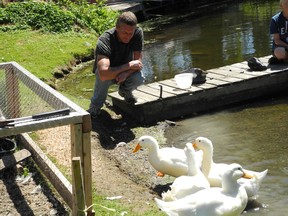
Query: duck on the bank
[[213, 171], [171, 161], [187, 184], [231, 199]]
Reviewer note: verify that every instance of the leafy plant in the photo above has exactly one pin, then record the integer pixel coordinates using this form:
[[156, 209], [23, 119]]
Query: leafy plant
[[58, 17], [95, 17], [25, 171], [37, 15]]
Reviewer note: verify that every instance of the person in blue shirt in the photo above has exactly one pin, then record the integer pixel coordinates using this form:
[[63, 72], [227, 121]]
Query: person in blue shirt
[[279, 32], [118, 59]]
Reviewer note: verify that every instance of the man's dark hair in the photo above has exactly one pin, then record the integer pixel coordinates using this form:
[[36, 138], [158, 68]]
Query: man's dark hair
[[128, 18]]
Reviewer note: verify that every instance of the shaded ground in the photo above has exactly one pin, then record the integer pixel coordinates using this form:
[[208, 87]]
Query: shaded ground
[[133, 178], [116, 170], [28, 195]]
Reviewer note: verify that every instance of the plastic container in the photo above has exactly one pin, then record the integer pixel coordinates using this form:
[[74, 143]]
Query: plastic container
[[184, 80], [7, 146]]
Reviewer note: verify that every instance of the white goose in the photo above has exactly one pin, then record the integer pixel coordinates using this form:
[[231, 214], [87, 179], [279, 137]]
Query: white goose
[[171, 161], [213, 171], [190, 183], [231, 199]]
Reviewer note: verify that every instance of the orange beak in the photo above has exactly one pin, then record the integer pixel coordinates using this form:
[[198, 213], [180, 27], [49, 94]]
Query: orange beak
[[194, 145], [247, 176], [137, 148]]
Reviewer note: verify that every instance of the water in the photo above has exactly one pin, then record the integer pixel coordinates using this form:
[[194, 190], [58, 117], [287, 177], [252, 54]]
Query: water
[[254, 134], [230, 35]]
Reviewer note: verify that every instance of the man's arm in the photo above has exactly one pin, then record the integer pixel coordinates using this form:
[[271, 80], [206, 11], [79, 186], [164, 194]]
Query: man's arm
[[108, 73], [278, 41], [121, 77]]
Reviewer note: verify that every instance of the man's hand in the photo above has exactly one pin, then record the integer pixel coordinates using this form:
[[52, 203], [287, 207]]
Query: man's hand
[[121, 77], [135, 65]]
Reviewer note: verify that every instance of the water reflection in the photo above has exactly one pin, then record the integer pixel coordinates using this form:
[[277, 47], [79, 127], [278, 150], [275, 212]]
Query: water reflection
[[254, 135], [230, 35]]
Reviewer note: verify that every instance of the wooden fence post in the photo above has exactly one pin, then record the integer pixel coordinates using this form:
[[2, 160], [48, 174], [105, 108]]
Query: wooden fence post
[[81, 147], [78, 188], [13, 97]]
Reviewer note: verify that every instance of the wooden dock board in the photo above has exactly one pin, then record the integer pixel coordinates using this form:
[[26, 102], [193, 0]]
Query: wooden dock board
[[224, 86], [127, 6]]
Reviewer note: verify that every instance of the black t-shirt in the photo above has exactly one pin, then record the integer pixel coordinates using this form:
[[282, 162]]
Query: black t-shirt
[[119, 53]]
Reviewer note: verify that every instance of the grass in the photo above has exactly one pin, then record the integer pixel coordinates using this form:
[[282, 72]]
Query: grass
[[41, 53]]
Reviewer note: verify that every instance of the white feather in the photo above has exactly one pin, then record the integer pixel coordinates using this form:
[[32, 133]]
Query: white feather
[[230, 200], [213, 171]]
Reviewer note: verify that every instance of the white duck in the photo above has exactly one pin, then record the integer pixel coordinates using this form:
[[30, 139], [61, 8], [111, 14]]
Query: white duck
[[171, 161], [213, 171], [231, 199], [190, 183]]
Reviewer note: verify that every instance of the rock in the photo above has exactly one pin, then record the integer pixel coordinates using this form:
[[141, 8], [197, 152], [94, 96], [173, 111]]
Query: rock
[[36, 190], [53, 212]]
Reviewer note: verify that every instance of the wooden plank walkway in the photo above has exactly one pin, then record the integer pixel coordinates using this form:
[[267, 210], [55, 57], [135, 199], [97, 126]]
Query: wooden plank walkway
[[224, 86], [134, 7]]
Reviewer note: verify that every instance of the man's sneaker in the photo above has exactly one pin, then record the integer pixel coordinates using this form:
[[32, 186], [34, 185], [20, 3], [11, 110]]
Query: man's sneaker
[[128, 96], [94, 111], [274, 60]]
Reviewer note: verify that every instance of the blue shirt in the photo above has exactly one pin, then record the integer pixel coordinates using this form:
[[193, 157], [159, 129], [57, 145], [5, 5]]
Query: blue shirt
[[279, 24]]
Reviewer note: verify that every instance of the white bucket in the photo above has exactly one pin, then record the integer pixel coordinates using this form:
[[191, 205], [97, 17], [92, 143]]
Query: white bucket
[[184, 80]]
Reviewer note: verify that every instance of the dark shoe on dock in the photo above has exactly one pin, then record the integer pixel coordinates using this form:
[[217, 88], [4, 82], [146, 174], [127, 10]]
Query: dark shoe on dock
[[273, 60], [94, 111], [128, 96], [256, 65], [200, 76]]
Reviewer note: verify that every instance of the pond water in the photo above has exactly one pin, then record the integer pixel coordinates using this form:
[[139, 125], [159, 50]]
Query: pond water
[[253, 134], [229, 35]]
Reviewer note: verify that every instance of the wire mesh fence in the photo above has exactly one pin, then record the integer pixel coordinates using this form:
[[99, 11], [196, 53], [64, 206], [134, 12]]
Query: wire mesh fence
[[21, 95], [26, 105]]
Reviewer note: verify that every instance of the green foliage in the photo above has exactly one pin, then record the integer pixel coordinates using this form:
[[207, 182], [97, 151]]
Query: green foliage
[[37, 15], [60, 16], [103, 206], [94, 17], [25, 171]]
